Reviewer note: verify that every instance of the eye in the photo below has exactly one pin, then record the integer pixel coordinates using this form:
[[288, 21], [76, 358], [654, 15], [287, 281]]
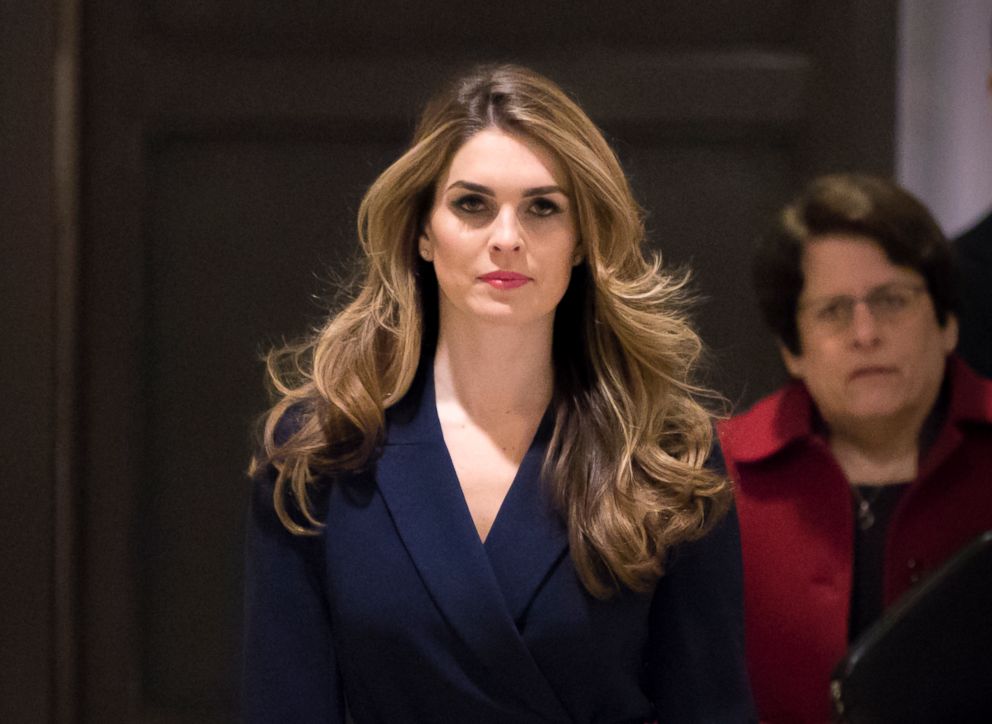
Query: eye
[[834, 310], [889, 300], [470, 203], [544, 207]]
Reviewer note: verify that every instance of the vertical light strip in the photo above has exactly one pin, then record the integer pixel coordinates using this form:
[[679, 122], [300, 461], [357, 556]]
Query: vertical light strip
[[944, 112], [66, 221]]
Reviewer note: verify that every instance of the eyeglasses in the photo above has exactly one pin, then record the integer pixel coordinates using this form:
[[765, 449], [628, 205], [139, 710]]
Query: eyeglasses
[[887, 304]]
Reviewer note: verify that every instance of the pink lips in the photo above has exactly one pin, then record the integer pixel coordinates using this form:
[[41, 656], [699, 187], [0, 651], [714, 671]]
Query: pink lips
[[505, 279], [863, 372]]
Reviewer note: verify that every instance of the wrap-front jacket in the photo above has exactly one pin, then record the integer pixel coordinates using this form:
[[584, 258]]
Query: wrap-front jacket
[[797, 532], [398, 612]]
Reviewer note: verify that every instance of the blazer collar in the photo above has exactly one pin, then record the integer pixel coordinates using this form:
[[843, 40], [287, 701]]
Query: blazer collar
[[528, 537], [480, 595], [971, 394], [770, 426], [970, 404]]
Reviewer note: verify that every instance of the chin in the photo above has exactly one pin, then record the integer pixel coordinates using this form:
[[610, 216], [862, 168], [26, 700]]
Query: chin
[[878, 409], [510, 314]]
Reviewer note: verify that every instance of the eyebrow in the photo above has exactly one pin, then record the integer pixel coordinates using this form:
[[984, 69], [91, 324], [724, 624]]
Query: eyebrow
[[479, 188]]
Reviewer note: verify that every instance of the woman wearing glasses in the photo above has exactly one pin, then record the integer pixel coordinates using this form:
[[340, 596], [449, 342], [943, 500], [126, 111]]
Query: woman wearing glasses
[[873, 465]]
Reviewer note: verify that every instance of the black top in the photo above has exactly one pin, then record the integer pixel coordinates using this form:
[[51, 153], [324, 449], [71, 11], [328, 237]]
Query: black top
[[869, 552]]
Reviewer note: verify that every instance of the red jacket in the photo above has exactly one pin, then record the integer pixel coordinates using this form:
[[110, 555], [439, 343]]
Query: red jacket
[[797, 533]]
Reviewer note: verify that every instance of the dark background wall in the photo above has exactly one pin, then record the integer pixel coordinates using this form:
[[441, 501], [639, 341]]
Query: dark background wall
[[178, 191]]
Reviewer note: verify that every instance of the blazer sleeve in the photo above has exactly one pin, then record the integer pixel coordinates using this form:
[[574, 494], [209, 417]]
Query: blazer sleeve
[[290, 673], [696, 668]]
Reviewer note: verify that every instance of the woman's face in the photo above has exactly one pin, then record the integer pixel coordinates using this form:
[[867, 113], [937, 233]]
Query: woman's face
[[871, 346], [501, 233]]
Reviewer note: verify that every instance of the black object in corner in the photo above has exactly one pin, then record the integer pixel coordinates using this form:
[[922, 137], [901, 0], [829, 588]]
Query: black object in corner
[[929, 657]]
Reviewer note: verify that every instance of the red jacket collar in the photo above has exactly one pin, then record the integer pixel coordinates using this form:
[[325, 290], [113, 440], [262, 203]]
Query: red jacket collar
[[785, 416], [971, 394]]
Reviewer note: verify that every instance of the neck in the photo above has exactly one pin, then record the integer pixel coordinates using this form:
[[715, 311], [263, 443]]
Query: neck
[[877, 453], [494, 370]]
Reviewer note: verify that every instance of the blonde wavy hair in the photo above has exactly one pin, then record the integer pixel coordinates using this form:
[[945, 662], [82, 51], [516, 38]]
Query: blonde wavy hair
[[625, 462]]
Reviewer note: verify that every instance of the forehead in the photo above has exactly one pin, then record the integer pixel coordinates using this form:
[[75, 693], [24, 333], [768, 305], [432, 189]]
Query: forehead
[[495, 158], [848, 264]]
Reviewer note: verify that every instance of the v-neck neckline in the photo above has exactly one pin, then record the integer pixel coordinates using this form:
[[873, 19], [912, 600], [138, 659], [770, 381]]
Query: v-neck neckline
[[536, 449], [528, 475], [484, 590]]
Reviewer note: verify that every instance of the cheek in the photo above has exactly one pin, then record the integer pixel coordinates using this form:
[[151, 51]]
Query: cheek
[[564, 259], [560, 270], [929, 359], [820, 375], [452, 248], [819, 362], [452, 273], [557, 251]]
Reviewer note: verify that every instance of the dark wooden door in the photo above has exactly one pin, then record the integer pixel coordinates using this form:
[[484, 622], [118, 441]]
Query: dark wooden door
[[225, 145]]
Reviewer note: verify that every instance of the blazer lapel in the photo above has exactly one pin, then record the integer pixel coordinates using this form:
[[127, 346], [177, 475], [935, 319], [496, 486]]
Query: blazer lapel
[[420, 488], [528, 539]]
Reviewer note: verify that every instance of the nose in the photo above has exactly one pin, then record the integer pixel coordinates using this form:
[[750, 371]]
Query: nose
[[506, 232], [864, 326]]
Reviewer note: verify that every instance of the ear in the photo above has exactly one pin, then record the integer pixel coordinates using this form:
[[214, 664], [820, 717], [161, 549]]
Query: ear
[[578, 256], [793, 362], [949, 334], [425, 246]]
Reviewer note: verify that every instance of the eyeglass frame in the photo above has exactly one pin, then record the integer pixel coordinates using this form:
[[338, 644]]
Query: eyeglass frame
[[874, 300]]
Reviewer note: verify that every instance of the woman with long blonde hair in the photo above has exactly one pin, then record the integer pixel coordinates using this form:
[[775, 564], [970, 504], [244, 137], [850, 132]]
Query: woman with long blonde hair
[[480, 494]]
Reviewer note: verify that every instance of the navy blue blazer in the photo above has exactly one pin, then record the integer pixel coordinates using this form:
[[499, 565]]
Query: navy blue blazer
[[398, 611]]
